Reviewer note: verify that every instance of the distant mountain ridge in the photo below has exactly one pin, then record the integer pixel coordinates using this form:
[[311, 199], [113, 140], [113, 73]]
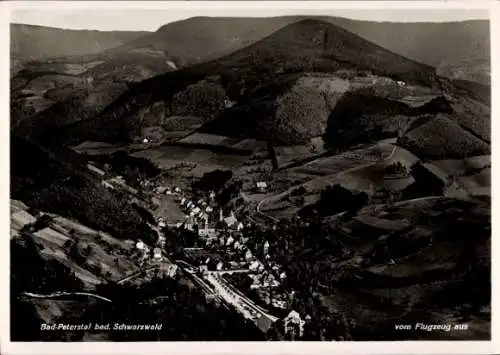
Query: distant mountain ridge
[[459, 50], [30, 42], [446, 44]]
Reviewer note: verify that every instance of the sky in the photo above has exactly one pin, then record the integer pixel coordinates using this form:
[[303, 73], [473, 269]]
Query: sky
[[141, 19]]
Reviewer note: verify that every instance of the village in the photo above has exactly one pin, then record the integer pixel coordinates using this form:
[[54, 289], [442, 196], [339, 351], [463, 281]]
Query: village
[[222, 251]]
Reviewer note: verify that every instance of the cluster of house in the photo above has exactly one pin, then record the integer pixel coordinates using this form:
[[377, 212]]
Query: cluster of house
[[225, 233], [267, 281], [202, 217], [168, 190], [143, 248], [146, 251]]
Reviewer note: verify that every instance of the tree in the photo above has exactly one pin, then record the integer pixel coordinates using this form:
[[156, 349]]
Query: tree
[[213, 180]]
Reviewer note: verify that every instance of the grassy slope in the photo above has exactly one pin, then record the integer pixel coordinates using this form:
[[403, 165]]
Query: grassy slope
[[59, 184]]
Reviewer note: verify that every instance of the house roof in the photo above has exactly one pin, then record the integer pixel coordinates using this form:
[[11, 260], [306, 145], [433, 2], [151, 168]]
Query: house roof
[[293, 314], [230, 220]]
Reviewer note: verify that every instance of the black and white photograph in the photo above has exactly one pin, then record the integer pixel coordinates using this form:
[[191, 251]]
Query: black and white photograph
[[224, 174]]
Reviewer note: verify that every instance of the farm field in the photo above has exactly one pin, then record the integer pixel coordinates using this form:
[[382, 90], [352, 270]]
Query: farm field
[[169, 209], [323, 172], [107, 258], [287, 155], [20, 219], [198, 138], [344, 161], [458, 167], [170, 156]]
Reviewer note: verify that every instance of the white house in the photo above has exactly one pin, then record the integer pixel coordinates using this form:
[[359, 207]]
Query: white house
[[161, 189], [240, 226], [255, 285], [274, 283], [139, 245], [95, 170], [207, 232], [107, 185], [254, 266], [172, 270], [401, 83], [229, 241], [279, 303], [145, 141], [157, 253], [230, 221], [248, 254], [219, 266], [261, 186], [177, 190], [283, 275], [294, 324], [183, 201], [266, 247], [209, 209], [189, 223]]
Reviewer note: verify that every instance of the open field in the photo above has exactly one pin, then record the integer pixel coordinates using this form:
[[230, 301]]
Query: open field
[[50, 236], [170, 156], [169, 209], [20, 219], [344, 161], [314, 176], [63, 240], [458, 167], [222, 141]]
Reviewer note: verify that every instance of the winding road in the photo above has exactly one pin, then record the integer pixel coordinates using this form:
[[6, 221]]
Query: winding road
[[64, 294]]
